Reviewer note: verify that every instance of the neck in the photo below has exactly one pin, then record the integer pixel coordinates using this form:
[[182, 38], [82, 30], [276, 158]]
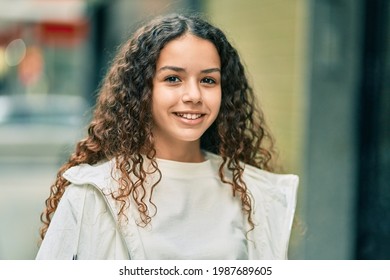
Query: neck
[[183, 152]]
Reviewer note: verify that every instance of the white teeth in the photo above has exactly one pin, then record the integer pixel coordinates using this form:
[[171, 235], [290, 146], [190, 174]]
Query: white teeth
[[189, 116]]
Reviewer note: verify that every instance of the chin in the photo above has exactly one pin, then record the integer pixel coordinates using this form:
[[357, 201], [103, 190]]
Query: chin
[[190, 138]]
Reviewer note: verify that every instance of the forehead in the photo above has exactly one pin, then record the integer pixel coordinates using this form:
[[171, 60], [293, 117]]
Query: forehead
[[189, 50]]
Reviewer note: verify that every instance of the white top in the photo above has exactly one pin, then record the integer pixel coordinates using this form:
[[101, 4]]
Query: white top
[[197, 215]]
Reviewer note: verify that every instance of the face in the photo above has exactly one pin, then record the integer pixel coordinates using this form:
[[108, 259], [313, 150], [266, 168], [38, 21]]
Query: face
[[186, 93]]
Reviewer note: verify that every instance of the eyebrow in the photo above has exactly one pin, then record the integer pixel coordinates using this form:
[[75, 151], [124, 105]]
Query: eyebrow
[[180, 69]]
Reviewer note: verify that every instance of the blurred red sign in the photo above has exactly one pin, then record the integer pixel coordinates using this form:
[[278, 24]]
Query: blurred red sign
[[65, 34]]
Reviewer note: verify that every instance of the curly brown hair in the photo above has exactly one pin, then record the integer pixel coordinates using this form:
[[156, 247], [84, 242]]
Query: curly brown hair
[[121, 127]]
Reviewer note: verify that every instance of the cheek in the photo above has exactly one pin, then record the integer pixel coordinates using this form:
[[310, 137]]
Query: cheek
[[156, 97], [161, 101], [215, 101]]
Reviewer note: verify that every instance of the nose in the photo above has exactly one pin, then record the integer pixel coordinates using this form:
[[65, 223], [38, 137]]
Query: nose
[[192, 93]]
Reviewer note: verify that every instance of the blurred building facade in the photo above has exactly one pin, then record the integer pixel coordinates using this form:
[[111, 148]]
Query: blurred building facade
[[321, 69]]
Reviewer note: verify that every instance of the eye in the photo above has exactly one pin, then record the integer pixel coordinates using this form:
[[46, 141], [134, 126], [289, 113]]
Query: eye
[[172, 79], [208, 81]]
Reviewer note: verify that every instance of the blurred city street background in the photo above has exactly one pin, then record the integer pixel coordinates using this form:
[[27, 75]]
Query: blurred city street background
[[321, 69]]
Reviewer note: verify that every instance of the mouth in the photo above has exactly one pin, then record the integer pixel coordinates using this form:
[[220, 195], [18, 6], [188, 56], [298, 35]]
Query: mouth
[[189, 116]]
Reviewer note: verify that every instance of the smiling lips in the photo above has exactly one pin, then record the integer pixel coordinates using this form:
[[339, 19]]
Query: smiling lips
[[189, 116]]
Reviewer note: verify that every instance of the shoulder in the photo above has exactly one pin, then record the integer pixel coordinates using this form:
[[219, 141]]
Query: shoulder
[[274, 198], [258, 178], [268, 182], [98, 175], [273, 195], [266, 186], [81, 225], [79, 200], [90, 187]]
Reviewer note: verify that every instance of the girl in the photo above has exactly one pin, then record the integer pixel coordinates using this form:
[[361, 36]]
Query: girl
[[177, 162]]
